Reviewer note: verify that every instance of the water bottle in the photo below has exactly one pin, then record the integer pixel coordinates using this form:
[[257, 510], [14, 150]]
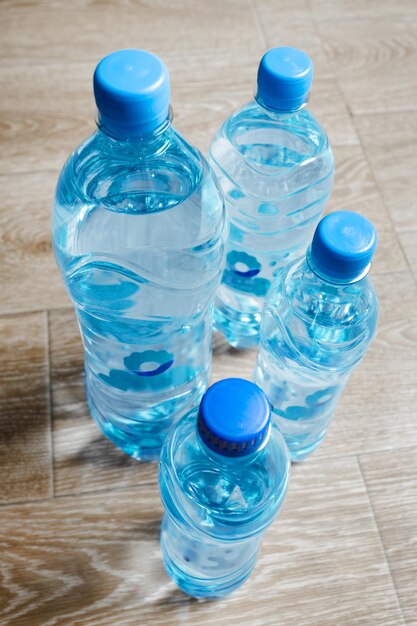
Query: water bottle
[[318, 321], [223, 478], [275, 165], [138, 234]]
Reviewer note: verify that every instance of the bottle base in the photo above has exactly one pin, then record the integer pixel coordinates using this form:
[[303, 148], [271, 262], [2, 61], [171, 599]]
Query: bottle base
[[200, 587], [130, 439], [140, 431], [298, 453], [242, 334]]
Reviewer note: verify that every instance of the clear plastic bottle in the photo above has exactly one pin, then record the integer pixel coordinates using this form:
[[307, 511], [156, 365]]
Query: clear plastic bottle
[[138, 234], [318, 321], [223, 479], [275, 165]]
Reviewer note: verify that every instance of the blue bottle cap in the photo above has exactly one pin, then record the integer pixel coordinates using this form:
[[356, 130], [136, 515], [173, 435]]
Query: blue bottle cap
[[284, 78], [132, 92], [343, 246], [234, 417]]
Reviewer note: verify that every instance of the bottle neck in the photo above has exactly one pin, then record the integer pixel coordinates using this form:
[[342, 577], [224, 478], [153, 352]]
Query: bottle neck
[[153, 141], [276, 113], [233, 461]]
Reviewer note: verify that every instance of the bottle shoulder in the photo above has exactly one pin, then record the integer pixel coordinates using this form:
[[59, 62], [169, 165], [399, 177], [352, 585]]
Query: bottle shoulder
[[101, 165], [252, 130], [223, 495], [139, 204], [325, 324]]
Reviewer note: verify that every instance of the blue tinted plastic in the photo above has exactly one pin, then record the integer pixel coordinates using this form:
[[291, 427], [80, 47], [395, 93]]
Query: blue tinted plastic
[[138, 234], [217, 508], [276, 171], [343, 246], [313, 333], [284, 78]]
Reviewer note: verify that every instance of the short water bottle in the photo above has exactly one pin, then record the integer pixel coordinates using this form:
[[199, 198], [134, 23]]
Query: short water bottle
[[223, 479], [138, 234], [275, 165], [318, 321]]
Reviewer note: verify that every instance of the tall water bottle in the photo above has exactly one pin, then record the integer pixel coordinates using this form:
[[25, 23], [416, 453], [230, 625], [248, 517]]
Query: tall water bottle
[[318, 321], [223, 478], [274, 163], [138, 234]]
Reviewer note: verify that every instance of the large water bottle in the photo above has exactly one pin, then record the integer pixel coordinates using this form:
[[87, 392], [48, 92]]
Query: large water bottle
[[275, 165], [223, 478], [318, 321], [138, 234]]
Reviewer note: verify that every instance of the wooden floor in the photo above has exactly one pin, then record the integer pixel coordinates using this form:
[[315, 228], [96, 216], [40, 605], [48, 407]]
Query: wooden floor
[[79, 521]]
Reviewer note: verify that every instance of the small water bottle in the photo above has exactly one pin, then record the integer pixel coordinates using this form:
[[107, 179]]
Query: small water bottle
[[138, 234], [223, 479], [318, 321], [275, 165]]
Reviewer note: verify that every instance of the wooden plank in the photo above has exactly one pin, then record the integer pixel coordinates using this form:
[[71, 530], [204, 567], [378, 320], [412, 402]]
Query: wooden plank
[[389, 142], [292, 24], [47, 112], [355, 9], [95, 560], [25, 450], [86, 29], [391, 479], [29, 277], [408, 240], [327, 104], [374, 60]]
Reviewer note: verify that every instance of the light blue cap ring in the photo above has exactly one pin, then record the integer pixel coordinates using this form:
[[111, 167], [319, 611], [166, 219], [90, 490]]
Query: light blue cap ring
[[132, 92], [285, 76], [343, 246]]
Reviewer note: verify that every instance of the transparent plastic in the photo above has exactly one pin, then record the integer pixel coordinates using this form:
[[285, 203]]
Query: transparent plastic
[[313, 333], [276, 171], [138, 234], [217, 508]]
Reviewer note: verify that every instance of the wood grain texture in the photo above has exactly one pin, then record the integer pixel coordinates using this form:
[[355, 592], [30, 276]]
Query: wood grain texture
[[46, 110], [374, 60], [83, 547], [391, 479], [327, 104], [89, 29], [95, 560], [25, 450], [355, 9], [292, 24], [408, 240], [389, 140], [29, 277]]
